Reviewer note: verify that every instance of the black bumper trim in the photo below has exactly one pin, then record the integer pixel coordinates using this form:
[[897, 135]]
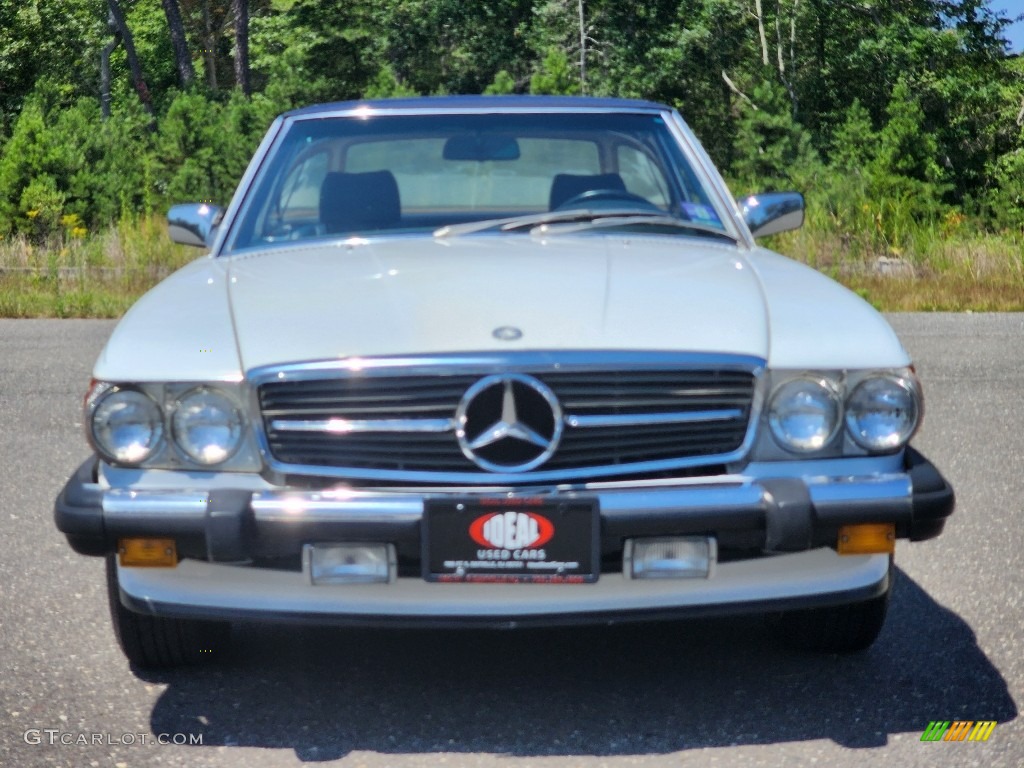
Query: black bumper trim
[[933, 497], [789, 519], [229, 529], [785, 519], [78, 511]]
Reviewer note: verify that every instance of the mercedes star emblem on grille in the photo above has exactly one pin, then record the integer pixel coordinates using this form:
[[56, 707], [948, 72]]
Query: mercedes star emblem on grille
[[508, 423]]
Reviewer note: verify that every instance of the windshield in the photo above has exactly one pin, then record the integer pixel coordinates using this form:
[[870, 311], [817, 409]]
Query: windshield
[[358, 176]]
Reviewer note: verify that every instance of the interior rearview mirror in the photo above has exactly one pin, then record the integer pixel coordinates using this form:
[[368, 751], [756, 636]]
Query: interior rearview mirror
[[477, 148]]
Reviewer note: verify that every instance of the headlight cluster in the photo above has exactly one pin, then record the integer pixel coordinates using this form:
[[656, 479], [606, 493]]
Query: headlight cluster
[[128, 426], [880, 411], [804, 414], [207, 426]]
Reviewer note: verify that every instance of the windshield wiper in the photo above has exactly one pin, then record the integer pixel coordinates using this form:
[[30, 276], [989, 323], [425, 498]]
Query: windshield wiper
[[577, 221], [633, 219], [512, 223]]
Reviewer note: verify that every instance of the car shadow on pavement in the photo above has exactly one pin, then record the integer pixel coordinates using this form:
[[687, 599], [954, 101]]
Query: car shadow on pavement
[[623, 690]]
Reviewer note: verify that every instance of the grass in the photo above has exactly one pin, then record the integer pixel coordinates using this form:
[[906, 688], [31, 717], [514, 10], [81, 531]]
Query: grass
[[99, 275], [937, 269], [941, 268], [940, 293]]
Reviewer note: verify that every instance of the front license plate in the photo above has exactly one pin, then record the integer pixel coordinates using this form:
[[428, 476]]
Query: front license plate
[[531, 540]]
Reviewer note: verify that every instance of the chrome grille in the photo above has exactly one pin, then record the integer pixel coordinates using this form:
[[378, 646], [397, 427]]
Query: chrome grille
[[396, 424], [365, 397]]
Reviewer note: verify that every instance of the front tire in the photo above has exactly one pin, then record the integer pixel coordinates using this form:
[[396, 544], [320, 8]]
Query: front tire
[[154, 642], [836, 629]]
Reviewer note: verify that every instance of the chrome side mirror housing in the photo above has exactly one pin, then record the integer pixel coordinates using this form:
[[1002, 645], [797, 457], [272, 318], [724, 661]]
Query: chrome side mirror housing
[[194, 223], [772, 212]]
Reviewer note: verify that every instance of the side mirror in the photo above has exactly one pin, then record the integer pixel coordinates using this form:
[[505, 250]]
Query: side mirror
[[194, 223], [773, 212]]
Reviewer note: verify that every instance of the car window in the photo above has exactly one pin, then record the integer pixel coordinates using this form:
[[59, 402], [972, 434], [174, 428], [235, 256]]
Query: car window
[[358, 175], [429, 182], [300, 193], [642, 176]]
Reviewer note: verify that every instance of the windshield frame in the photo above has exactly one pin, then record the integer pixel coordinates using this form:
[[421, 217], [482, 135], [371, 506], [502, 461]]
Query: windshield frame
[[692, 153]]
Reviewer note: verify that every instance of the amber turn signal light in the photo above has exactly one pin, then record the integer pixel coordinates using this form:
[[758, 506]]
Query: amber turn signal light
[[867, 539], [147, 553]]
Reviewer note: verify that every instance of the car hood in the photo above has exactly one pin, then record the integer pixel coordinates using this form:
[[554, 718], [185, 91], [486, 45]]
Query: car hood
[[412, 296], [218, 318]]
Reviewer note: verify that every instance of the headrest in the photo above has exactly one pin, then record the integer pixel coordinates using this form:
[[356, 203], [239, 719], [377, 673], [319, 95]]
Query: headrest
[[355, 202]]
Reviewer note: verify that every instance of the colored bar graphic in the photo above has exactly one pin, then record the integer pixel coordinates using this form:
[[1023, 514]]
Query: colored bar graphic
[[935, 730], [982, 730], [958, 730]]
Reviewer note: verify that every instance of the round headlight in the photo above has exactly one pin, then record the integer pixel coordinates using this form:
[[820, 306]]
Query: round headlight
[[127, 426], [804, 414], [882, 413], [207, 426]]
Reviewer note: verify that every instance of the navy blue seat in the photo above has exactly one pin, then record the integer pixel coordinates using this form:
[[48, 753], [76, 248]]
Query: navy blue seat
[[357, 202]]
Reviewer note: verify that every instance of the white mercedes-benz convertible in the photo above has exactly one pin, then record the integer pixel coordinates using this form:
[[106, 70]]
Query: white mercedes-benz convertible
[[495, 361]]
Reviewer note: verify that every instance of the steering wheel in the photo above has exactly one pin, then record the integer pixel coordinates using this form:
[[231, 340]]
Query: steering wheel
[[606, 196]]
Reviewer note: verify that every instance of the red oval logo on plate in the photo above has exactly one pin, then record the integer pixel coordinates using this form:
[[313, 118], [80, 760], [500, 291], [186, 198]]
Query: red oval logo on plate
[[512, 530]]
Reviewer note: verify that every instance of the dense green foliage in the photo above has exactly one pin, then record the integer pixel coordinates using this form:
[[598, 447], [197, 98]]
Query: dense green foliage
[[890, 115]]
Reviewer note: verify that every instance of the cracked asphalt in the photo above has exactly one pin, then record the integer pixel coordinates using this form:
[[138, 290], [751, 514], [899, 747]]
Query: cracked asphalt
[[700, 693]]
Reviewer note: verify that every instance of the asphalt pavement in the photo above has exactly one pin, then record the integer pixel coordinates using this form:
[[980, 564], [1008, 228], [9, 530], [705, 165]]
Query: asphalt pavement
[[700, 693]]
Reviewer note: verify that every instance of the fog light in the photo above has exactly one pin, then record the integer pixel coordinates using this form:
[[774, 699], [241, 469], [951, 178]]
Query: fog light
[[350, 563], [869, 539], [147, 553], [684, 557]]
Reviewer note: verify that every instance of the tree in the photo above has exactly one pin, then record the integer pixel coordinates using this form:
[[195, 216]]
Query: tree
[[906, 148], [317, 52], [105, 78], [555, 75], [502, 84], [209, 37], [855, 143], [48, 39], [453, 46], [117, 18], [676, 51], [773, 149], [182, 58], [240, 10], [1005, 199], [568, 27], [63, 159], [905, 182], [915, 99]]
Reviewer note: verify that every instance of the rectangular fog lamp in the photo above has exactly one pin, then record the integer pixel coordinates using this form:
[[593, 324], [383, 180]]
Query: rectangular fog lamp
[[147, 553], [678, 557], [350, 563], [868, 539]]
